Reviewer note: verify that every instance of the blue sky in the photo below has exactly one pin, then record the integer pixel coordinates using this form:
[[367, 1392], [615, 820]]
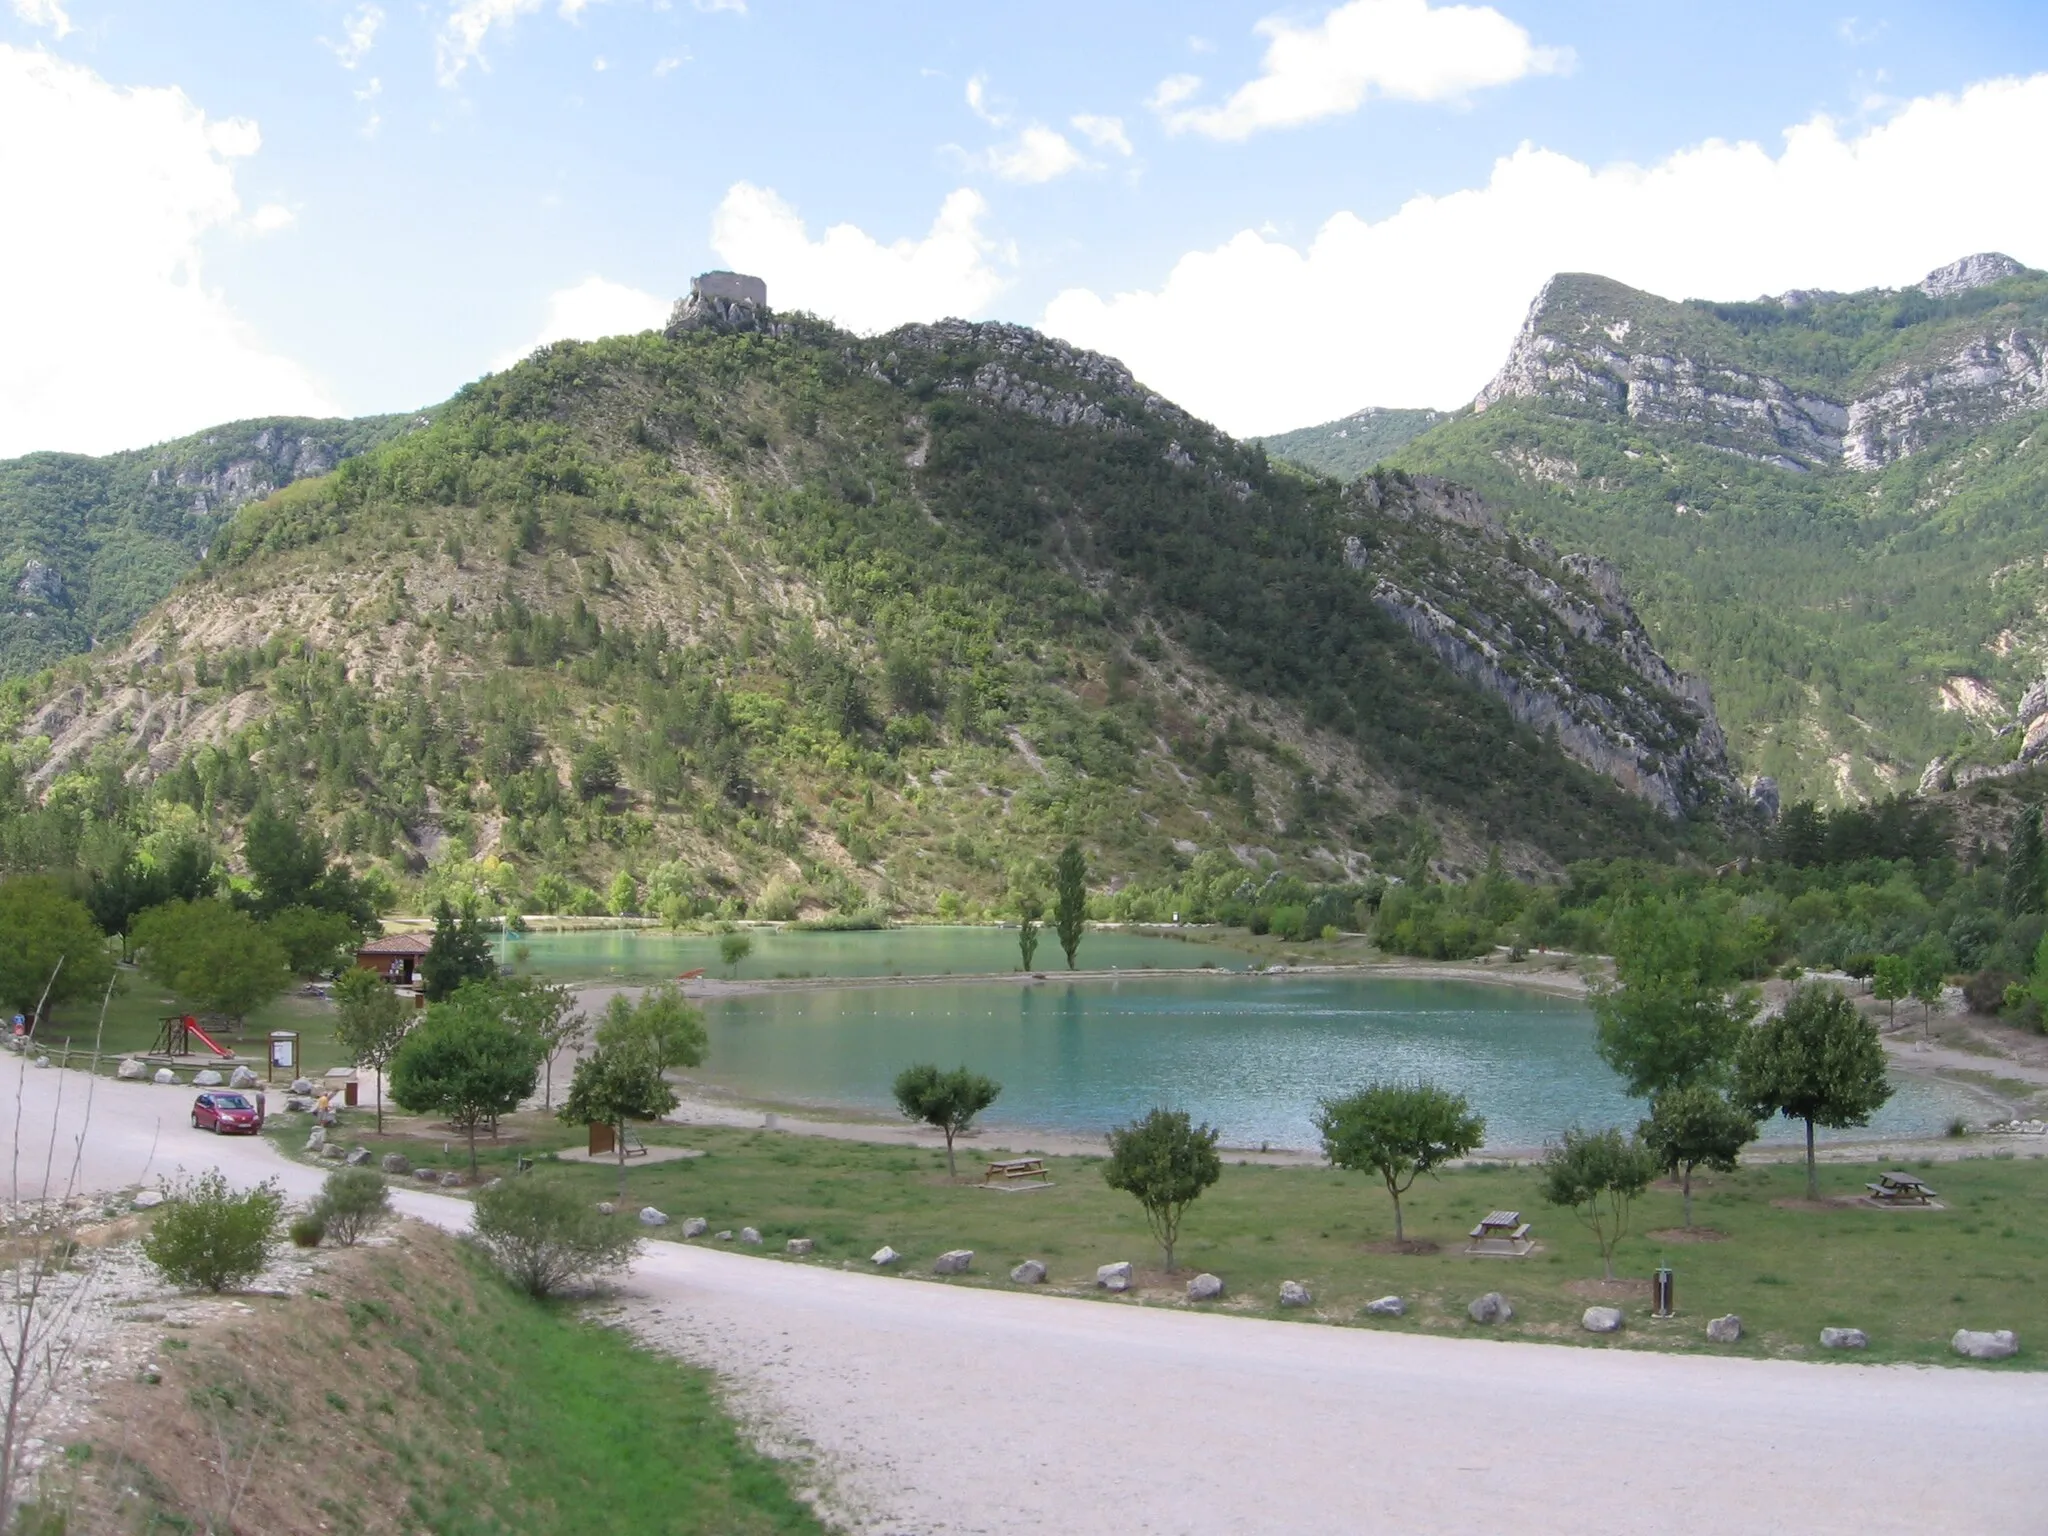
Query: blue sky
[[308, 205]]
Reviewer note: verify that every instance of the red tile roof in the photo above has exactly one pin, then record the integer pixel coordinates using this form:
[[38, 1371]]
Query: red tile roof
[[398, 944]]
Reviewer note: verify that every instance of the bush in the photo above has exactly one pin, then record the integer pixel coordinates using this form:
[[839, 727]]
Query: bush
[[309, 1228], [354, 1202], [542, 1236], [1985, 991], [206, 1237]]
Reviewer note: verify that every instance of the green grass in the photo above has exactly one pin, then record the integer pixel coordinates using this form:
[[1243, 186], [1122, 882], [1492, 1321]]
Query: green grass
[[137, 1011], [1909, 1278]]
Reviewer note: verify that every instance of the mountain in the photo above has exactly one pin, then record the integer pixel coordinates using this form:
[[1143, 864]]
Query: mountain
[[88, 545], [1351, 445], [756, 609], [1831, 506]]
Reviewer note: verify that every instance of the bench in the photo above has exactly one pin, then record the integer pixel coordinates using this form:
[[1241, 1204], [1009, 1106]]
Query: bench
[[1501, 1234], [1899, 1189], [1017, 1173]]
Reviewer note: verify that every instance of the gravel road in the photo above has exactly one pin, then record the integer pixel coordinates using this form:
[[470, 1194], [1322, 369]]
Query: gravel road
[[928, 1407]]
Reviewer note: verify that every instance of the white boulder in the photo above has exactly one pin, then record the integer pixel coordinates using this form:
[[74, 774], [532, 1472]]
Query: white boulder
[[242, 1077], [695, 1226], [1724, 1330], [148, 1199], [1294, 1294], [1601, 1320], [1205, 1287], [884, 1256], [303, 1085], [1114, 1277], [1844, 1338], [2000, 1345], [797, 1246], [953, 1262], [1387, 1306], [206, 1077], [1030, 1272], [165, 1077], [1490, 1308], [131, 1071], [650, 1217], [749, 1235]]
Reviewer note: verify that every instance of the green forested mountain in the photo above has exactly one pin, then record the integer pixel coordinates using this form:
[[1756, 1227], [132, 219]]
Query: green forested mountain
[[1833, 506], [763, 614], [1351, 445], [88, 545]]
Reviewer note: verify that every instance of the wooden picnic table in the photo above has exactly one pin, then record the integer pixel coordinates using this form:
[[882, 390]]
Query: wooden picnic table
[[1899, 1189], [1507, 1225], [1016, 1170]]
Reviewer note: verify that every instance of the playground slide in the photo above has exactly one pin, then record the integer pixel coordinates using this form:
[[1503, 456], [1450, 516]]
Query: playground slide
[[206, 1039]]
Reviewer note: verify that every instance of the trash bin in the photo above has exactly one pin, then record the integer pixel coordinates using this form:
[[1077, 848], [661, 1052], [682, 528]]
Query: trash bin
[[1661, 1293], [348, 1093]]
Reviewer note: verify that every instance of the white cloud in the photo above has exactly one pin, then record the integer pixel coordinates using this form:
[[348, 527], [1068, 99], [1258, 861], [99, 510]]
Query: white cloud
[[470, 22], [1407, 50], [978, 104], [44, 13], [1102, 132], [1039, 154], [712, 7], [1419, 308], [668, 66], [592, 308], [109, 337], [271, 218], [358, 35], [852, 278]]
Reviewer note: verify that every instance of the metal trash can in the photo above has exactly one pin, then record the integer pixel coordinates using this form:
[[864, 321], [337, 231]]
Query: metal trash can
[[348, 1093], [1662, 1292]]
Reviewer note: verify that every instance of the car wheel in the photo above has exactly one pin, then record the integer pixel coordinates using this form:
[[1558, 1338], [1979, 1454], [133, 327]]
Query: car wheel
[[195, 1119]]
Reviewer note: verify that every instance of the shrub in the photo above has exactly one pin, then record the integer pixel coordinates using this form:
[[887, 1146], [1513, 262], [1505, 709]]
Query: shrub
[[542, 1236], [1985, 990], [354, 1202], [207, 1237], [309, 1228]]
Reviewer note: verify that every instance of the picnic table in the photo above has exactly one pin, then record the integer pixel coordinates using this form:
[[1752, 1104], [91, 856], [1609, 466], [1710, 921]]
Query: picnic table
[[1501, 1233], [1899, 1189], [1017, 1173]]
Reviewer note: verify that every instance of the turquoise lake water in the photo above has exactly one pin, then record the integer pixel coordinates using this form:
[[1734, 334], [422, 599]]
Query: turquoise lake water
[[1251, 1055]]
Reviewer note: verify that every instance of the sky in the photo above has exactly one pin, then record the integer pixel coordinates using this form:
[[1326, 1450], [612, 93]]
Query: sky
[[216, 209]]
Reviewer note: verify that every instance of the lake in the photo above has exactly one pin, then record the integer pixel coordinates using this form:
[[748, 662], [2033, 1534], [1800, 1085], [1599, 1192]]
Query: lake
[[1251, 1055], [650, 954]]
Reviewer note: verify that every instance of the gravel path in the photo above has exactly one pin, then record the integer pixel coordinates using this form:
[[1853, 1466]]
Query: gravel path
[[925, 1407]]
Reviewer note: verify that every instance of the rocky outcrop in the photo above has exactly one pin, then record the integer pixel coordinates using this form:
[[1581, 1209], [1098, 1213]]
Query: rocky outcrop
[[1030, 373], [1596, 346]]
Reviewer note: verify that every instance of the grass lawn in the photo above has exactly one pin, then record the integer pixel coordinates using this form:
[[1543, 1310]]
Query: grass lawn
[[1908, 1278], [137, 1011]]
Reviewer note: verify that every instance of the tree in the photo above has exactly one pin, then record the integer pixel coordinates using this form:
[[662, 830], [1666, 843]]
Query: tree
[[1399, 1131], [2025, 864], [208, 1238], [44, 934], [546, 1010], [370, 1021], [1164, 1162], [1891, 978], [1926, 974], [1675, 1012], [467, 1064], [186, 870], [732, 949], [621, 1080], [353, 1203], [1695, 1127], [946, 1101], [1070, 899], [214, 957], [1598, 1175], [542, 1236], [1819, 1061], [315, 942], [1030, 910], [288, 866], [671, 1028], [461, 952]]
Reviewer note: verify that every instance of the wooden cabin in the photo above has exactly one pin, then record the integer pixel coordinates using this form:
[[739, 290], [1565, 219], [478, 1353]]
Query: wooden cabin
[[395, 957]]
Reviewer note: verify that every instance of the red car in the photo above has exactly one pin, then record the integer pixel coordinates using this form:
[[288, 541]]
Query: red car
[[226, 1114]]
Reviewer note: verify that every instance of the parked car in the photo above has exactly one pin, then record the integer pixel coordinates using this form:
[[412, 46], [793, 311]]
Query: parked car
[[227, 1114]]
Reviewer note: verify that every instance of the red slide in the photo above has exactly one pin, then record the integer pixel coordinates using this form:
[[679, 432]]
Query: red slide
[[192, 1027]]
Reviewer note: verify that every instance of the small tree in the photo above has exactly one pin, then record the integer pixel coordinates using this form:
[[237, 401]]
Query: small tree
[[1164, 1162], [1660, 1034], [461, 952], [547, 1011], [44, 933], [370, 1022], [1030, 910], [467, 1065], [946, 1101], [1693, 1128], [315, 943], [542, 1237], [214, 957], [1926, 973], [353, 1203], [206, 1237], [1598, 1174], [1070, 899], [1819, 1061], [2026, 861], [732, 949], [1891, 978], [1399, 1131], [621, 1080], [671, 1028]]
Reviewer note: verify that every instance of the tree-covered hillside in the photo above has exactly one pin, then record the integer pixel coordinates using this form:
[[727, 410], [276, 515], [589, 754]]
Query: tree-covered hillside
[[88, 545], [796, 621], [1351, 445], [1832, 506]]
